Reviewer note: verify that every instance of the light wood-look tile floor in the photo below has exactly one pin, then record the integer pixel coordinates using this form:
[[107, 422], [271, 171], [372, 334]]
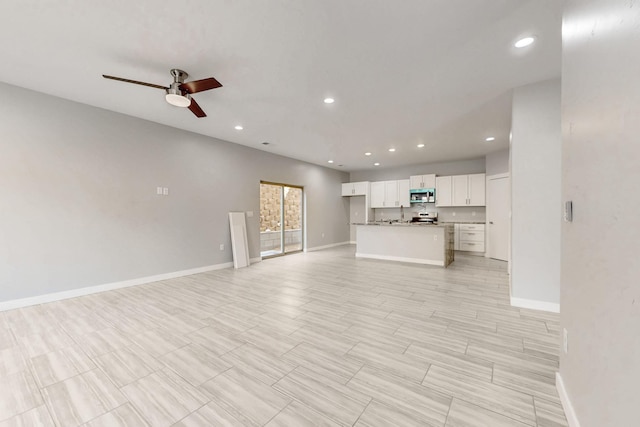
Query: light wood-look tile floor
[[315, 339]]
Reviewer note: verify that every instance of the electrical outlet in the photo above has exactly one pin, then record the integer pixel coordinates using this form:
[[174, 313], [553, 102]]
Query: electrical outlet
[[165, 191], [473, 213], [159, 191], [565, 340], [453, 213], [435, 237], [222, 246], [249, 214]]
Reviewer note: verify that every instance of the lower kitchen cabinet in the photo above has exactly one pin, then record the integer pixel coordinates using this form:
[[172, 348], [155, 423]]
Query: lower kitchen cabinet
[[470, 237]]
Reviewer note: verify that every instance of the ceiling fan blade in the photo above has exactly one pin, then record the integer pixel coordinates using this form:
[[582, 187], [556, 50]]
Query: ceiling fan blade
[[134, 81], [200, 85], [195, 109]]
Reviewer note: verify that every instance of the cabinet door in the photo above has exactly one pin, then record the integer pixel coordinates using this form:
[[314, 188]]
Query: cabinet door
[[443, 191], [477, 184], [460, 190], [403, 193], [416, 182], [347, 189], [391, 194], [360, 188], [377, 194], [429, 181]]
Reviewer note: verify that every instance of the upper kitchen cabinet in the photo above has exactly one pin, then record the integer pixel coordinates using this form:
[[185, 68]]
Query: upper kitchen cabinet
[[390, 194], [443, 191], [460, 190], [468, 190], [355, 188], [422, 181]]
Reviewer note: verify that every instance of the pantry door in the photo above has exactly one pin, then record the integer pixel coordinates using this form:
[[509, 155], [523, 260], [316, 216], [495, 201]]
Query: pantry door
[[498, 217]]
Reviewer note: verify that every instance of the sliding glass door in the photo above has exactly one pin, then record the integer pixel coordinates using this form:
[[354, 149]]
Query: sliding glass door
[[281, 219]]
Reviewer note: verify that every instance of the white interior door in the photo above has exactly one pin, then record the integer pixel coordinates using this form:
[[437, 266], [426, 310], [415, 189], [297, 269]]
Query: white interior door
[[498, 222]]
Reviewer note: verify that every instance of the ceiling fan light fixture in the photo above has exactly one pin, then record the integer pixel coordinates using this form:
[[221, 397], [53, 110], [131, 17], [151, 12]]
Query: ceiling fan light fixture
[[177, 98]]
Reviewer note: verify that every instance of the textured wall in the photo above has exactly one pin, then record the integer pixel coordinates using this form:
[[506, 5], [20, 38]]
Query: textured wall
[[601, 162], [535, 193], [79, 204]]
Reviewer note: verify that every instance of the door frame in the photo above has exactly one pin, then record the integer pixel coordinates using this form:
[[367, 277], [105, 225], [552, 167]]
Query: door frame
[[303, 222], [488, 239]]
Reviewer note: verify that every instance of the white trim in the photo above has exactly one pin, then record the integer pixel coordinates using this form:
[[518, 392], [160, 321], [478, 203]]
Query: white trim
[[569, 412], [352, 242], [57, 296], [255, 260], [401, 259], [497, 176], [332, 245], [534, 304]]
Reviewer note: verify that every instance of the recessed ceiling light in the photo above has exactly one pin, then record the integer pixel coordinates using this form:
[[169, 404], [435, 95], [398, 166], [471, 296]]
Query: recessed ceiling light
[[392, 150], [376, 164], [420, 145], [238, 127], [367, 154], [524, 42], [330, 161], [490, 138], [329, 100]]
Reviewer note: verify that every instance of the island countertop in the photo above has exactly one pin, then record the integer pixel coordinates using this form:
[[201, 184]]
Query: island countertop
[[403, 224], [406, 242]]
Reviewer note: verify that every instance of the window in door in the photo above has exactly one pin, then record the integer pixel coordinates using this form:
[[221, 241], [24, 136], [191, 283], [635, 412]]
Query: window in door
[[281, 221]]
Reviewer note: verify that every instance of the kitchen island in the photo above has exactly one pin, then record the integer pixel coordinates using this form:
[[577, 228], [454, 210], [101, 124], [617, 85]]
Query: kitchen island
[[406, 242]]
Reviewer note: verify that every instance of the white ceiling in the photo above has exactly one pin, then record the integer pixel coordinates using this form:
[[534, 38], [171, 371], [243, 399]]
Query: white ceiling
[[403, 72]]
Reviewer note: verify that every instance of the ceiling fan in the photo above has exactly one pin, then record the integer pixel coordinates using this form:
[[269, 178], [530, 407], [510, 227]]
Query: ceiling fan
[[179, 93]]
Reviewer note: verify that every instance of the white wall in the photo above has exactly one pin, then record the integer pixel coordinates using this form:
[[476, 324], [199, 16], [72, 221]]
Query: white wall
[[79, 208], [601, 163], [497, 162], [404, 172], [460, 214], [535, 193]]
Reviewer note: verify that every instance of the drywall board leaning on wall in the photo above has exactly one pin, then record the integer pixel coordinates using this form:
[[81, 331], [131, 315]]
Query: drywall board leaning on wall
[[600, 293], [78, 187]]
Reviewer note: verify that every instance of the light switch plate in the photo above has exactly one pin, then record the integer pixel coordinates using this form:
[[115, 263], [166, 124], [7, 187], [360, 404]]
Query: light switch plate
[[568, 211]]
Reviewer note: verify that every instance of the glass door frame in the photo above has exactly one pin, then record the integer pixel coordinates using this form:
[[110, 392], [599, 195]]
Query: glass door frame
[[282, 219]]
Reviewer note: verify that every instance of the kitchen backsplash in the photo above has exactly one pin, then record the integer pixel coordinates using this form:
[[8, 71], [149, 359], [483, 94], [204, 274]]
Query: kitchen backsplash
[[457, 214]]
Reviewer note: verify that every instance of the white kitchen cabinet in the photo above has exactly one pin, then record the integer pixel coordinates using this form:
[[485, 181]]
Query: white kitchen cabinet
[[404, 198], [422, 181], [390, 194], [471, 237], [443, 191], [355, 188], [460, 190], [377, 194], [477, 189]]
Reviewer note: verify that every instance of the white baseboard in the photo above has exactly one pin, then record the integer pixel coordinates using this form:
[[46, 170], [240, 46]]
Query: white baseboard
[[569, 412], [57, 296], [401, 259], [255, 260], [319, 248], [535, 305], [352, 242]]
